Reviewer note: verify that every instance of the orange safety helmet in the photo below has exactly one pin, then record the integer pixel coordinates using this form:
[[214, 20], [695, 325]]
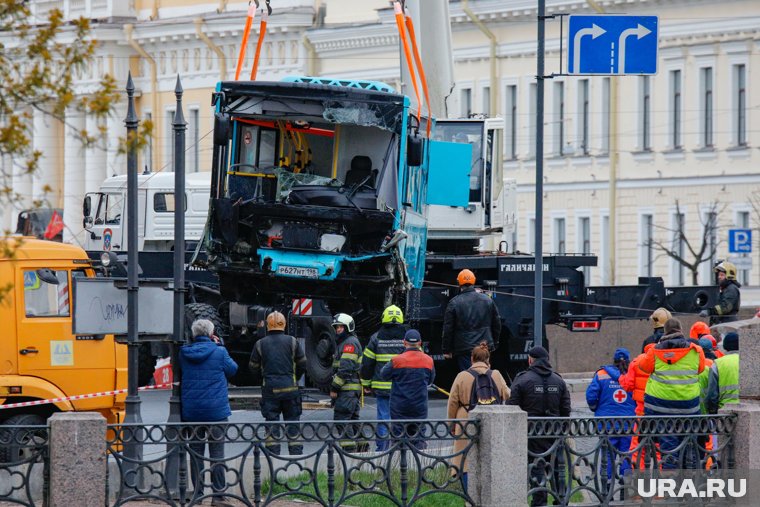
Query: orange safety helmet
[[275, 322], [698, 330], [466, 277]]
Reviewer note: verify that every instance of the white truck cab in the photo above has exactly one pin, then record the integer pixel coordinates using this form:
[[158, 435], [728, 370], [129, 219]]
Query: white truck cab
[[105, 216]]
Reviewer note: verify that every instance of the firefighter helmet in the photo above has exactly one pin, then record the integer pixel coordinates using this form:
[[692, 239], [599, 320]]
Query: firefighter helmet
[[660, 316], [275, 321], [728, 268], [466, 277], [698, 330], [393, 315], [344, 319]]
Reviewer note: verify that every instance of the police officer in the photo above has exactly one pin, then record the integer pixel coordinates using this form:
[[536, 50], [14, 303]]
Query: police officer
[[541, 392], [346, 388], [384, 345], [281, 361], [471, 318], [729, 298]]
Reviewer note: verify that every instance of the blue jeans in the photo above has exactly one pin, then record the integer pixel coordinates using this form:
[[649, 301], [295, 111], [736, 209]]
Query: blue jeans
[[620, 446], [464, 361], [383, 414]]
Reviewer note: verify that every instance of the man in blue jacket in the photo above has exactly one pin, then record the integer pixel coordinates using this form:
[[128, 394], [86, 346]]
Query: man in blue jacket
[[607, 399], [410, 372], [206, 366]]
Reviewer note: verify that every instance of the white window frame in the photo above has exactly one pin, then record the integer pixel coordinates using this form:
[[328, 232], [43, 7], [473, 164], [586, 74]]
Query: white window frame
[[645, 113], [559, 102], [192, 145], [705, 269], [604, 254], [169, 113], [645, 270], [532, 91], [678, 275], [605, 108], [511, 119], [465, 90], [583, 113], [675, 110], [706, 117], [557, 218], [738, 138], [530, 232], [580, 217]]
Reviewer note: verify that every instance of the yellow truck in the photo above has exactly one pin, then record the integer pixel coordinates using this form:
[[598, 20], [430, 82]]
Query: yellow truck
[[40, 358]]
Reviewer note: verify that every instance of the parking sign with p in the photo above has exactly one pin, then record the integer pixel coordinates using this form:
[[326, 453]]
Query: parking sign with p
[[739, 240]]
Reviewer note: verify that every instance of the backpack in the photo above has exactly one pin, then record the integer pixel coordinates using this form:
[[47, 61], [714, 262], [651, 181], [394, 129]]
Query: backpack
[[484, 390]]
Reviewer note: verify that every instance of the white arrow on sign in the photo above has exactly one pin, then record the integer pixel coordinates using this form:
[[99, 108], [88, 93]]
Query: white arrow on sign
[[640, 31], [595, 31]]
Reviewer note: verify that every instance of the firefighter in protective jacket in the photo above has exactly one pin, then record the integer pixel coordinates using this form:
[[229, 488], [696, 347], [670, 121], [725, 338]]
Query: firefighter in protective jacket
[[729, 298], [384, 345], [346, 389]]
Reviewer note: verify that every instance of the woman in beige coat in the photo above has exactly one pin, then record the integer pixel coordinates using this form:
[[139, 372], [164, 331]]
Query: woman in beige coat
[[459, 400]]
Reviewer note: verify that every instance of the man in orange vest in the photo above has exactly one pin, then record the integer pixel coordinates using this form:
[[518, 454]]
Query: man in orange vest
[[635, 380]]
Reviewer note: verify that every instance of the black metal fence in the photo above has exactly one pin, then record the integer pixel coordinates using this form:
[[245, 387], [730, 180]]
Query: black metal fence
[[587, 460], [250, 464], [24, 464]]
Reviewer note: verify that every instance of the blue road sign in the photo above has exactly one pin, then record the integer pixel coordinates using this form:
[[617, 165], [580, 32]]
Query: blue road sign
[[740, 241], [612, 45]]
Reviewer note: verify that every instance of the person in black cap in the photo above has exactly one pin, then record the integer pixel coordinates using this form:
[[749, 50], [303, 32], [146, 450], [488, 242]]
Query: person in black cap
[[541, 393]]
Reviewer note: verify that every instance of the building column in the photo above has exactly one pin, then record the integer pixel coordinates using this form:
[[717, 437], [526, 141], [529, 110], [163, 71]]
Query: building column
[[95, 162], [73, 178], [46, 185], [115, 163]]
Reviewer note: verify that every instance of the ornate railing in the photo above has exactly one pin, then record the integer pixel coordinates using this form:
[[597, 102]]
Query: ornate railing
[[24, 464], [586, 460], [251, 464]]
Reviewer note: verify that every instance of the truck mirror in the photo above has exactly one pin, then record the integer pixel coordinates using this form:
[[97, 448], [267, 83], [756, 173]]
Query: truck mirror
[[87, 206], [414, 150], [87, 223], [221, 129], [47, 276]]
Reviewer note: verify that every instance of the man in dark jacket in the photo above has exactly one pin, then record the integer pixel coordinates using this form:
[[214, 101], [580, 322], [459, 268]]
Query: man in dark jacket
[[729, 297], [346, 388], [541, 393], [281, 361], [659, 317], [410, 373], [471, 318], [384, 345], [206, 366]]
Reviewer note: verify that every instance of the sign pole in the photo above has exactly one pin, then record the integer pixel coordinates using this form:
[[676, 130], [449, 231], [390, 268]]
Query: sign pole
[[538, 321]]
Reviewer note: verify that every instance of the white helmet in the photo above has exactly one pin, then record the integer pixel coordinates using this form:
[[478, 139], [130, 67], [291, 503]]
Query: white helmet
[[344, 319]]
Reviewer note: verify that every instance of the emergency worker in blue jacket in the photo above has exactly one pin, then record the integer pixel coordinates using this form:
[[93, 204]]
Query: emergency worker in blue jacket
[[607, 398], [206, 367]]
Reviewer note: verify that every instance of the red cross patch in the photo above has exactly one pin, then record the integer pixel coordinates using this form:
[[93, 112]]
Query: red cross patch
[[620, 396], [349, 349]]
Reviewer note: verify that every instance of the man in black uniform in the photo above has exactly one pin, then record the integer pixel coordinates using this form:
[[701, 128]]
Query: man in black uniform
[[729, 299], [346, 389], [541, 393], [281, 361], [384, 345], [471, 318]]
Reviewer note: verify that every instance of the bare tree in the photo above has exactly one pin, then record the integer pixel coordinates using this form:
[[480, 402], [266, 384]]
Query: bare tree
[[687, 253]]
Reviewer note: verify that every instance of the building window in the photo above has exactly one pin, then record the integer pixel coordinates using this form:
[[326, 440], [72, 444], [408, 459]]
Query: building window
[[647, 247], [583, 109], [532, 98], [466, 105], [584, 242], [645, 130], [603, 250], [678, 248], [487, 100], [511, 133], [742, 222], [531, 246], [560, 244], [740, 101], [559, 118], [675, 109], [168, 128], [706, 106], [606, 102]]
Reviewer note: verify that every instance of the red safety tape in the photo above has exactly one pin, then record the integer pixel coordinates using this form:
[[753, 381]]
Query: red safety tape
[[82, 396]]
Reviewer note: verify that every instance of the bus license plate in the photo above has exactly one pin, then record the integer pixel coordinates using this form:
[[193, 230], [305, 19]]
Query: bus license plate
[[298, 271]]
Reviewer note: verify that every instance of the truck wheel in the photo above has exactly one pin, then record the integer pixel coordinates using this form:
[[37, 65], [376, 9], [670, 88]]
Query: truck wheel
[[13, 441], [320, 347], [195, 311]]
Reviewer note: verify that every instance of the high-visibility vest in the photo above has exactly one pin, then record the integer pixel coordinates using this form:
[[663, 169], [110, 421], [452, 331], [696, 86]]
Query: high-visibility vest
[[728, 378], [704, 380], [676, 382]]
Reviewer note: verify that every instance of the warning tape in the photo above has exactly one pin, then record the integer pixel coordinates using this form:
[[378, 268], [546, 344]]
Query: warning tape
[[82, 396]]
